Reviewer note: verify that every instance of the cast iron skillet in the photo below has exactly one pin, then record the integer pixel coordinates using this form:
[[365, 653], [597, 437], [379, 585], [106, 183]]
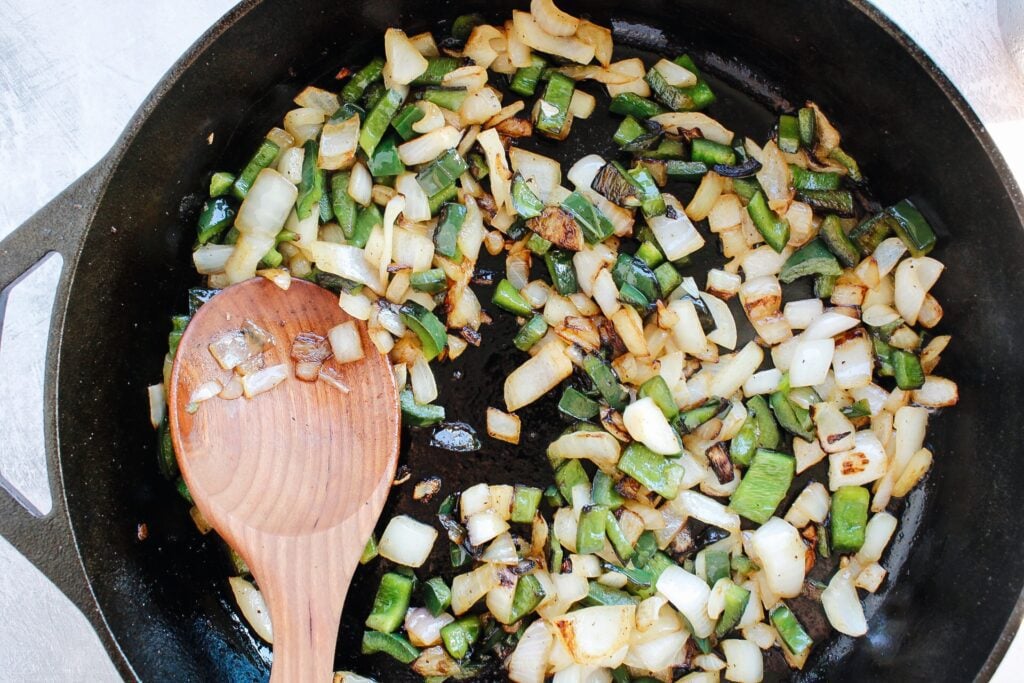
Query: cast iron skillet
[[161, 606]]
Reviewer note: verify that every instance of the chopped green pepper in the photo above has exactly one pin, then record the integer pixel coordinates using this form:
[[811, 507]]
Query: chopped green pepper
[[220, 183], [530, 333], [378, 120], [216, 216], [430, 330], [813, 258], [907, 369], [526, 78], [361, 80], [849, 518], [790, 631], [631, 104], [264, 156], [442, 172], [525, 501], [416, 414], [390, 644], [651, 469], [912, 228], [577, 405], [459, 635], [553, 111], [774, 228], [437, 595], [562, 271], [390, 603], [345, 211], [764, 485]]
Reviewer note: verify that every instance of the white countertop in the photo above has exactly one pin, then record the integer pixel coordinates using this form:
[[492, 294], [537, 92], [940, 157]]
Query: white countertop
[[73, 73]]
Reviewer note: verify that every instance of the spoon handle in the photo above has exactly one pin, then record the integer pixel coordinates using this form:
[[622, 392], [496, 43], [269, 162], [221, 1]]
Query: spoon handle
[[304, 581]]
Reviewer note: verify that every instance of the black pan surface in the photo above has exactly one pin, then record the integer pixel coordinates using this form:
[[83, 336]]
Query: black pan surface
[[164, 609]]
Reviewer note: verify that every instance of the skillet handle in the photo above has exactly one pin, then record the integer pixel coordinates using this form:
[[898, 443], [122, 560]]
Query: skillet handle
[[47, 541]]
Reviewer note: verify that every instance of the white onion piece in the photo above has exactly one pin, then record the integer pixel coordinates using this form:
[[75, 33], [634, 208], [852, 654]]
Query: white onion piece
[[630, 328], [468, 588], [346, 261], [707, 510], [502, 550], [835, 431], [317, 98], [842, 605], [724, 333], [406, 541], [780, 553], [582, 104], [346, 344], [474, 500], [289, 164], [472, 78], [253, 607], [404, 61], [428, 147], [700, 677], [471, 236], [774, 176], [764, 382], [304, 124], [500, 175], [356, 305], [909, 294], [764, 261], [432, 117], [647, 424], [744, 661], [879, 315], [888, 253], [937, 392], [862, 464], [485, 526], [689, 594], [674, 74], [360, 184], [417, 204], [479, 107], [482, 45], [811, 505], [553, 20], [349, 677], [657, 654], [502, 426], [877, 533], [259, 219], [723, 284], [205, 391], [264, 380], [676, 123], [674, 232], [528, 662], [853, 362], [597, 636], [601, 448], [157, 404], [800, 314], [829, 324], [928, 271], [728, 380], [212, 258], [424, 387], [338, 143], [606, 294], [812, 359], [530, 33], [583, 172], [761, 635], [306, 230], [537, 376], [423, 628], [542, 174], [588, 262], [687, 331]]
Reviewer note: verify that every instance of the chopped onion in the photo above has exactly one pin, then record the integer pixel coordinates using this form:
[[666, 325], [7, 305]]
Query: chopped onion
[[870, 577], [860, 465], [348, 262], [582, 104], [853, 361], [811, 505], [689, 594], [835, 431], [630, 328], [502, 426], [360, 184], [722, 284], [542, 174], [428, 147], [687, 331], [529, 32], [528, 662], [829, 324], [764, 382], [537, 376], [647, 424], [211, 258], [303, 124], [253, 607], [423, 628], [289, 164], [506, 113], [800, 314], [780, 553], [474, 500], [482, 45], [331, 377], [356, 305], [915, 470], [937, 392], [657, 654], [707, 510], [728, 380], [675, 74], [842, 606], [708, 192], [724, 333], [468, 588], [606, 294], [744, 661], [553, 20], [346, 344], [760, 634], [204, 392], [406, 541], [479, 107], [484, 526], [264, 380], [502, 550], [877, 533], [157, 404], [404, 61], [417, 208], [774, 177], [908, 291], [424, 388], [764, 261], [597, 636], [497, 165], [676, 123], [317, 98], [601, 448], [888, 253], [812, 359], [338, 143]]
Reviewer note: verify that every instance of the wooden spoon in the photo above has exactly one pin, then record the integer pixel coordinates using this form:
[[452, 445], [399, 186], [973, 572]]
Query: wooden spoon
[[295, 477]]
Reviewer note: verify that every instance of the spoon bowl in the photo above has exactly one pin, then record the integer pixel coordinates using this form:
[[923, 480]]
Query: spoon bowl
[[293, 478]]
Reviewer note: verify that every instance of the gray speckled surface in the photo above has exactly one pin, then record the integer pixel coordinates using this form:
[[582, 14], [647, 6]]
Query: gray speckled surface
[[72, 74]]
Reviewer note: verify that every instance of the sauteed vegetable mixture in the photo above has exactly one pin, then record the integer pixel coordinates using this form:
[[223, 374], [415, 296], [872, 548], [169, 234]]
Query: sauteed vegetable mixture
[[672, 538]]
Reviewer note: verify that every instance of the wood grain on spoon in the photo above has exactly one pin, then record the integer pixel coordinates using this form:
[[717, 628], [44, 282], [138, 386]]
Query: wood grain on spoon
[[294, 478]]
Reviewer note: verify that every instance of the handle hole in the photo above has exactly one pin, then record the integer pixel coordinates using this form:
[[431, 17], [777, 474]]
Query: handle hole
[[26, 307]]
